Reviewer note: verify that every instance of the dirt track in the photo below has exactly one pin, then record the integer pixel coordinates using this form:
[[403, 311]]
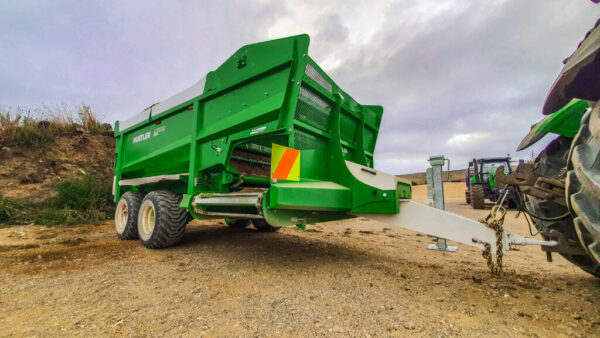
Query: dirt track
[[352, 278]]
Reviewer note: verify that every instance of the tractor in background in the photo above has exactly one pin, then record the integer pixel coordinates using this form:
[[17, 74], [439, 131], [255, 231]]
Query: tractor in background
[[480, 181]]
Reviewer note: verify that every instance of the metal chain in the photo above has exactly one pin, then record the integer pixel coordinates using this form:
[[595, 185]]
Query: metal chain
[[495, 221]]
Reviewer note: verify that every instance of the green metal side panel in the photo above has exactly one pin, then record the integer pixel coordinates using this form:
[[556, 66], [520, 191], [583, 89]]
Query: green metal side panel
[[252, 90], [566, 121], [268, 92], [158, 148], [310, 196]]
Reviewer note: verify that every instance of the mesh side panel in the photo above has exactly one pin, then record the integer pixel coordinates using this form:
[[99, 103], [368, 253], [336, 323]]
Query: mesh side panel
[[303, 141], [307, 93], [311, 72], [312, 110]]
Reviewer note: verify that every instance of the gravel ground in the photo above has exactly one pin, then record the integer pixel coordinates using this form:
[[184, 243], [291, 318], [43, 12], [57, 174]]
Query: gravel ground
[[347, 278]]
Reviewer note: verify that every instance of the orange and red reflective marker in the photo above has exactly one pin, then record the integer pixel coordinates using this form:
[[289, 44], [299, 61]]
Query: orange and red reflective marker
[[285, 163]]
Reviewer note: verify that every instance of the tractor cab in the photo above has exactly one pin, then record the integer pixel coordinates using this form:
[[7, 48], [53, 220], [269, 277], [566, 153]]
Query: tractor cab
[[480, 178]]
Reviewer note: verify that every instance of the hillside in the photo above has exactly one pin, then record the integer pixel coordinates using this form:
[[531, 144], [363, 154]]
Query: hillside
[[55, 171], [420, 178], [32, 172]]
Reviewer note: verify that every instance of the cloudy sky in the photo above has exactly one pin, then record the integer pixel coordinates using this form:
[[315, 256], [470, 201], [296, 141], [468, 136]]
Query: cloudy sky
[[460, 78]]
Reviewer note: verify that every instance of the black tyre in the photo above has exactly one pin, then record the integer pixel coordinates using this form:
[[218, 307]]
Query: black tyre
[[477, 196], [552, 162], [262, 226], [126, 214], [583, 185], [161, 222], [467, 197], [237, 223]]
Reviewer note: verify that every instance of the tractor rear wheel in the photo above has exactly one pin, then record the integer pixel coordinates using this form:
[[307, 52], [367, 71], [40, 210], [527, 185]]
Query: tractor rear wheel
[[477, 196], [161, 222], [467, 197], [583, 184], [126, 215], [552, 162], [237, 223], [262, 226]]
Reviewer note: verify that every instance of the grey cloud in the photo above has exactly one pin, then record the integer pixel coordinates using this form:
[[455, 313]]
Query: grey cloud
[[331, 29], [484, 68]]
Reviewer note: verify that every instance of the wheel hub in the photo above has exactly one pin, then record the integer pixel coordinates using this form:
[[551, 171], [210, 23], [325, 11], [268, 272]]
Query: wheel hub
[[148, 218]]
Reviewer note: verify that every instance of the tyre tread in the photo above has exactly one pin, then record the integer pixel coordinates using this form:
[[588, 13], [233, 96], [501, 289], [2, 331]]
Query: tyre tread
[[583, 187], [477, 196], [552, 162], [170, 220]]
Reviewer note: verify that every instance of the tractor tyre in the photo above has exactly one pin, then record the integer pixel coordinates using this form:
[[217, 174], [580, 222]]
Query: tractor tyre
[[126, 215], [161, 222], [262, 226], [512, 204], [552, 162], [477, 196], [237, 223], [467, 197], [583, 185]]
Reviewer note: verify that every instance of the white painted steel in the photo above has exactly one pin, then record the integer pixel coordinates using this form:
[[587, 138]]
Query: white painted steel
[[227, 201], [132, 121], [196, 90], [150, 179], [421, 218], [515, 239], [228, 215], [375, 178]]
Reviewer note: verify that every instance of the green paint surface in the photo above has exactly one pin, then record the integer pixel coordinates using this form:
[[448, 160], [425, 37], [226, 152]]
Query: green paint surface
[[566, 121], [265, 93]]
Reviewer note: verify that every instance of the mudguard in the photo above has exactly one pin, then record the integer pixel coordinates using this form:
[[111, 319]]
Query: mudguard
[[564, 122], [578, 78]]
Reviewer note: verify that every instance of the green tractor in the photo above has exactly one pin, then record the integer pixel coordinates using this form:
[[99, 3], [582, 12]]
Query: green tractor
[[560, 191], [480, 180]]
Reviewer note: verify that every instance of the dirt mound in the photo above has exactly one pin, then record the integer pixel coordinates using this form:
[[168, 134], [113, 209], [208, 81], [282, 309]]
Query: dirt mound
[[32, 172]]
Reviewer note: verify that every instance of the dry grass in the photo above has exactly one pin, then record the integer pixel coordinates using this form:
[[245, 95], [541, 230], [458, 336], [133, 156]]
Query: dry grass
[[37, 126]]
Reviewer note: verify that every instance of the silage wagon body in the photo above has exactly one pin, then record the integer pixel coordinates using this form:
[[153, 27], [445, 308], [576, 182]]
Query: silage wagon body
[[267, 137], [216, 137]]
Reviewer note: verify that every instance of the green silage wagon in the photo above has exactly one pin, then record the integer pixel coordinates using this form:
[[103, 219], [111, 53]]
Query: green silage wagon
[[267, 138], [208, 148]]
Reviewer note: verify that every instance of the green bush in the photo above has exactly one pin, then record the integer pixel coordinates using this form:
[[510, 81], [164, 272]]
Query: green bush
[[52, 216], [14, 211], [80, 200], [84, 193]]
